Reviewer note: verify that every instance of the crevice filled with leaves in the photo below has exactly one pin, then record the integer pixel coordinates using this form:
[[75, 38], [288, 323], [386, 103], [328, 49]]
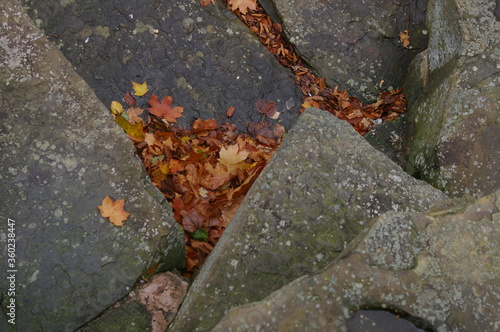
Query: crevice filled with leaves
[[205, 171]]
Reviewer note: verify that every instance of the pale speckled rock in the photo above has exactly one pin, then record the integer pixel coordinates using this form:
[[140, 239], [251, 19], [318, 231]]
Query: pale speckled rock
[[440, 266], [454, 89], [61, 154], [354, 44], [316, 194]]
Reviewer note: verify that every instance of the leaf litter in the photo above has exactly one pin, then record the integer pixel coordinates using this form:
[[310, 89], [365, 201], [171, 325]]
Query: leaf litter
[[204, 172]]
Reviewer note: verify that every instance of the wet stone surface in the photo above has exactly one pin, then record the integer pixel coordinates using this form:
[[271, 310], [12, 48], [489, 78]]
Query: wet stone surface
[[205, 58], [355, 44], [61, 154]]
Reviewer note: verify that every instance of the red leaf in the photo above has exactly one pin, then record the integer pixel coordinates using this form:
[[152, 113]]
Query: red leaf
[[163, 110]]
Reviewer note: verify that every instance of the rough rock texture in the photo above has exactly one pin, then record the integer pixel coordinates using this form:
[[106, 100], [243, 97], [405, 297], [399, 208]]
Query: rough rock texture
[[355, 44], [205, 58], [454, 124], [440, 266], [150, 307], [387, 137], [316, 194], [61, 154]]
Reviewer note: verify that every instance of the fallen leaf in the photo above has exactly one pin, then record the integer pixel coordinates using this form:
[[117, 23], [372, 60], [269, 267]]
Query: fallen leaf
[[278, 130], [230, 111], [204, 125], [231, 157], [133, 115], [243, 5], [200, 235], [268, 108], [163, 110], [140, 89], [191, 221], [129, 99], [114, 211], [116, 108], [404, 38], [206, 3], [136, 131]]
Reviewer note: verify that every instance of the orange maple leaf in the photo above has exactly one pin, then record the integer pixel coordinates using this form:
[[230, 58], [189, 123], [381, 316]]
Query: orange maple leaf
[[231, 157], [404, 38], [243, 5], [163, 110], [114, 210]]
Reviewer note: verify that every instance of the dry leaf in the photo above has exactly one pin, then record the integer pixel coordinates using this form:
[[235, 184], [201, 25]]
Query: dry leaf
[[231, 157], [163, 110], [243, 5], [116, 108], [140, 89], [114, 210], [404, 38], [206, 3]]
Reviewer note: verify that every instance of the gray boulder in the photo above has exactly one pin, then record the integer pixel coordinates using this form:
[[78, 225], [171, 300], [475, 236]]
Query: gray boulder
[[355, 44], [204, 57], [320, 189], [441, 267], [61, 154], [454, 89]]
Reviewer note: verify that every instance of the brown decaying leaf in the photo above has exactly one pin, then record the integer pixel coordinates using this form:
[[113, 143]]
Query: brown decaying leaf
[[203, 172], [230, 111], [404, 38], [206, 3], [243, 5], [114, 211], [129, 99], [318, 95]]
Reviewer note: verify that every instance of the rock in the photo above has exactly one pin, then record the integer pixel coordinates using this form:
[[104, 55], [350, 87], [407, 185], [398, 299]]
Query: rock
[[440, 266], [320, 189], [150, 307], [61, 154], [387, 137], [130, 316], [355, 44], [454, 89], [204, 57]]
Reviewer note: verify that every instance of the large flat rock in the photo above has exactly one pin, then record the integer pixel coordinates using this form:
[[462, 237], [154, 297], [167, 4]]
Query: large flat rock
[[354, 44], [204, 57], [320, 189], [454, 89], [439, 269], [61, 154]]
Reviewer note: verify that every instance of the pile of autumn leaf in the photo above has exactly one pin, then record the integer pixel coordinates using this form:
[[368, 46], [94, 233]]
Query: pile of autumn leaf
[[203, 172], [389, 106]]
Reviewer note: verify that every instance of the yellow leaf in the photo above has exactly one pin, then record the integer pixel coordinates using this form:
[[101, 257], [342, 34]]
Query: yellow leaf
[[136, 131], [140, 89], [164, 168], [114, 211], [116, 108], [232, 156]]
